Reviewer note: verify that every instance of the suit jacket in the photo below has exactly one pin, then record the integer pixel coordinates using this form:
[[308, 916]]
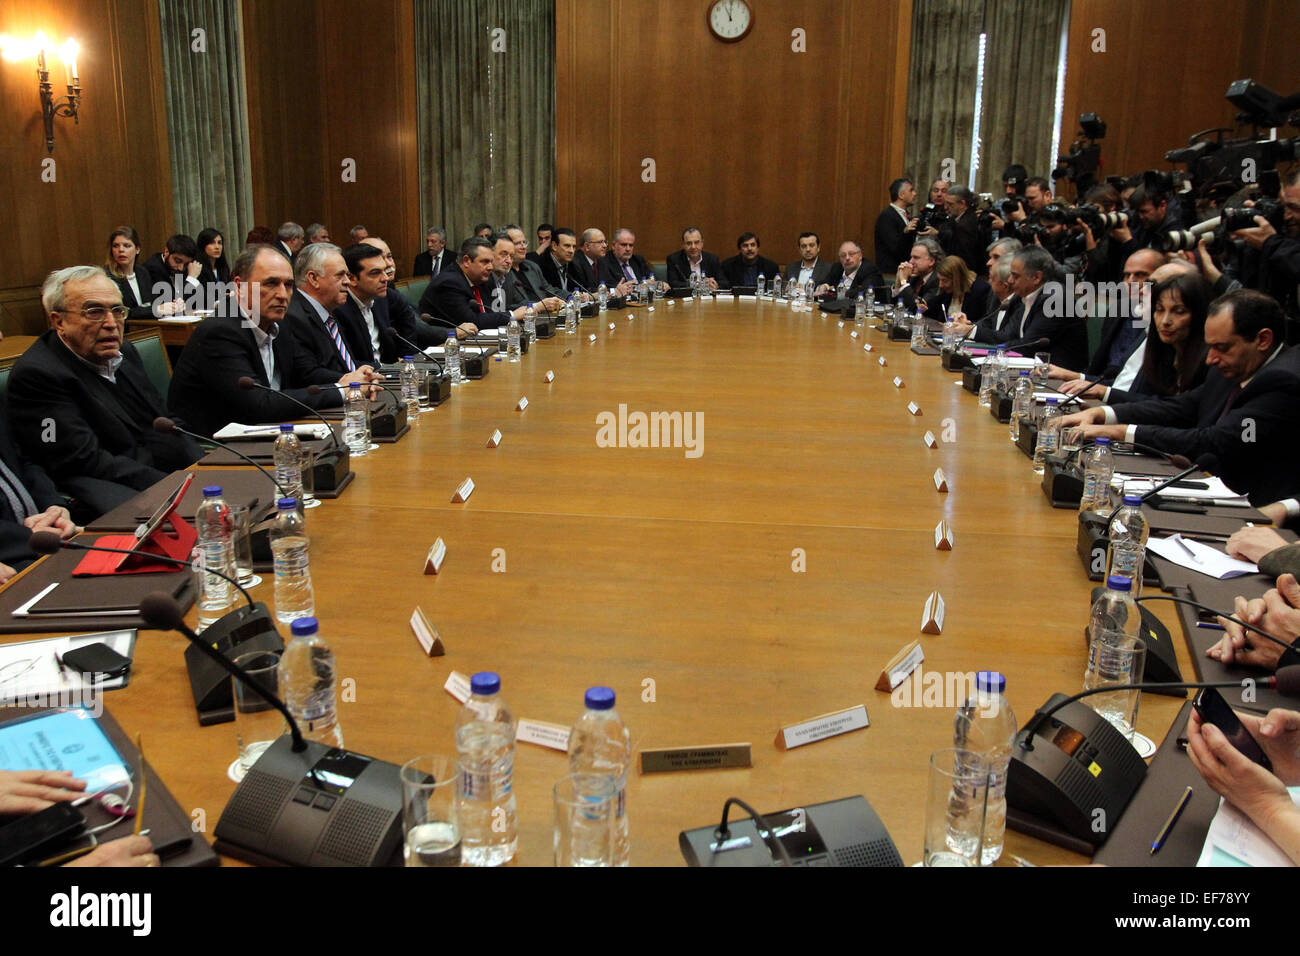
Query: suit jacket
[[406, 321], [734, 269], [568, 279], [101, 430], [893, 245], [141, 306], [821, 269], [14, 535], [389, 348], [1069, 334], [1254, 440], [961, 237], [927, 291], [987, 330], [534, 284], [581, 271], [205, 390], [611, 270], [450, 297], [177, 282], [1099, 364], [679, 269], [313, 339], [424, 263], [866, 276]]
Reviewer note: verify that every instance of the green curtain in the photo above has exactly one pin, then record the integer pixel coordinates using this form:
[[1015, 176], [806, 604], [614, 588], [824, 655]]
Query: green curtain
[[485, 101], [941, 89], [1024, 47], [207, 117]]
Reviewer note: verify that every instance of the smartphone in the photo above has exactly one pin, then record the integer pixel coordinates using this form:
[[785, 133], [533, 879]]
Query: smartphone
[[1209, 703], [40, 834]]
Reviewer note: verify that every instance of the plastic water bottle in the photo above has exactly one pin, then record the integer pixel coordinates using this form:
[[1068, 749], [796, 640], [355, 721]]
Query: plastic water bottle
[[1001, 370], [600, 743], [602, 296], [215, 551], [871, 299], [306, 678], [356, 421], [288, 457], [1098, 469], [949, 334], [410, 387], [1113, 625], [1022, 403], [1127, 531], [289, 552], [759, 290], [988, 380], [530, 322], [1049, 434], [451, 355], [570, 318], [919, 340], [986, 726], [860, 310], [485, 742], [512, 340]]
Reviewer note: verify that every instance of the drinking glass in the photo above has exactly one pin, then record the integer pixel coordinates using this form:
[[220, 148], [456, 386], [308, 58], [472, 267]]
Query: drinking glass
[[432, 832], [257, 723], [955, 806]]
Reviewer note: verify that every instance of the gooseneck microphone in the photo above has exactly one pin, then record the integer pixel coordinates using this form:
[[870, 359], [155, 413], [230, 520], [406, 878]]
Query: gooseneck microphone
[[1078, 396], [1216, 613], [162, 613], [1208, 462], [247, 382], [166, 426], [48, 542]]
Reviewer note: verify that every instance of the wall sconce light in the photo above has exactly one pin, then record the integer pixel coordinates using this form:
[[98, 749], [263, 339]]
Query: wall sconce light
[[14, 50]]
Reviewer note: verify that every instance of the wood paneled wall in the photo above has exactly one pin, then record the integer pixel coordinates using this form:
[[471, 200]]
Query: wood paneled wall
[[1166, 66], [744, 136], [111, 168], [330, 81]]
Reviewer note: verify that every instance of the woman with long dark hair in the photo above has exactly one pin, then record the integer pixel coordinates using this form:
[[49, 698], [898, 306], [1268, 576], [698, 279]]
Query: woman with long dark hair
[[212, 256], [1174, 361]]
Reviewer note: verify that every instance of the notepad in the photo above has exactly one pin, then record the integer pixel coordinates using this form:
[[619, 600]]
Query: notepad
[[1234, 840], [1203, 558]]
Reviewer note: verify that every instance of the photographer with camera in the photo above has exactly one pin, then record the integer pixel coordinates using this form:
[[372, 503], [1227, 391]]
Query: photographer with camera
[[932, 215], [1278, 252], [960, 232]]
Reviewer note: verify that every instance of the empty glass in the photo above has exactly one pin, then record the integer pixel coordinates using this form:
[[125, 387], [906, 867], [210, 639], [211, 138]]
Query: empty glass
[[257, 723], [432, 832], [955, 805], [309, 500], [1042, 362], [241, 539]]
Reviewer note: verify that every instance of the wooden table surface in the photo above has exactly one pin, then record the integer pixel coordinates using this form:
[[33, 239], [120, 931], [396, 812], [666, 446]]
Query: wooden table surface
[[672, 578]]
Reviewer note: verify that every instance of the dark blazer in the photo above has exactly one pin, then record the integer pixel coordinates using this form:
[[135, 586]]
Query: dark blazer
[[101, 430], [160, 274], [987, 329], [1069, 334], [927, 291], [1254, 440], [581, 271], [975, 302], [205, 390], [568, 279], [141, 307], [821, 269], [424, 263], [867, 276], [961, 237], [389, 349], [611, 270], [679, 269], [14, 535], [1099, 364], [535, 286], [893, 244], [406, 321], [450, 297], [313, 340], [734, 269]]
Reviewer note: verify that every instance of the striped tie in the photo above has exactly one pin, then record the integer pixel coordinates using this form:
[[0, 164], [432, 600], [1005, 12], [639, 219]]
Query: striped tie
[[20, 501], [332, 328]]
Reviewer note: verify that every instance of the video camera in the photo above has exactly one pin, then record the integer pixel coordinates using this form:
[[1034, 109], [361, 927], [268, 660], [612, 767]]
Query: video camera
[[1081, 163]]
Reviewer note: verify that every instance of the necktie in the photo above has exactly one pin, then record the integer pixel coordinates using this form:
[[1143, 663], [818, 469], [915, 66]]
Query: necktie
[[627, 271], [478, 298], [20, 502], [332, 328], [1232, 400]]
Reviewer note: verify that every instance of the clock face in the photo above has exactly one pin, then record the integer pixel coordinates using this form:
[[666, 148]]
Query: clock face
[[730, 20]]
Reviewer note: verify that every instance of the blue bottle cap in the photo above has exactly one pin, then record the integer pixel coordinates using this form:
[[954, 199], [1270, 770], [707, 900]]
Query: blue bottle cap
[[600, 698], [304, 626], [1118, 583], [285, 428], [1134, 500], [992, 681], [354, 385], [212, 491], [485, 683], [287, 504], [1053, 400], [451, 333], [408, 358], [1024, 373], [1104, 441]]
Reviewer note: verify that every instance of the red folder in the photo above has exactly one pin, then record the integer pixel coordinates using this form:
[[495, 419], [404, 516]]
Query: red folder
[[166, 534]]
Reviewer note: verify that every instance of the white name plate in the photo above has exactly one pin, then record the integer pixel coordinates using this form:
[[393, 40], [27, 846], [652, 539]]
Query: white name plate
[[943, 536], [929, 440], [914, 408], [868, 347], [819, 728], [708, 757], [940, 480], [882, 361], [932, 618], [433, 560], [901, 666], [841, 323], [854, 333], [463, 491], [544, 734], [613, 326], [458, 686], [591, 337], [427, 634], [898, 382], [523, 403], [548, 377], [495, 438]]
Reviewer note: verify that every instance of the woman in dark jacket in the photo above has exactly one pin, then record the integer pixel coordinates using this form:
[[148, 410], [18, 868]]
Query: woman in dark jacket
[[123, 268], [1174, 361]]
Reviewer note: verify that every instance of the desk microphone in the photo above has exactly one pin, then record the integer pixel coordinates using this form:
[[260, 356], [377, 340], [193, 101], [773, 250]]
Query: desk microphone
[[248, 382], [1209, 610], [166, 426], [1078, 396], [418, 351], [1208, 462]]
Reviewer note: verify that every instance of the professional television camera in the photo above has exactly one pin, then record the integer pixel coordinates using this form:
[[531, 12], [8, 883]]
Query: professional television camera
[[1081, 163]]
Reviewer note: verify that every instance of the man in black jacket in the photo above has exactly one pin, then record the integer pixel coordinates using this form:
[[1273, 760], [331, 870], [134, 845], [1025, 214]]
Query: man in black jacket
[[174, 276], [80, 402], [206, 391], [436, 256], [459, 295], [742, 270], [320, 288], [960, 232], [691, 259], [622, 267], [810, 266], [528, 275], [557, 263], [894, 232], [28, 503], [402, 317], [1245, 414], [851, 275]]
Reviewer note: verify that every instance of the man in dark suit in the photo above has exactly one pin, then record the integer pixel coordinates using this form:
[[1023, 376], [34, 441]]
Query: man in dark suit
[[80, 402], [28, 503], [205, 388], [959, 234], [1002, 315], [917, 279], [1045, 313], [557, 263], [365, 305], [623, 267], [894, 232], [1246, 412], [851, 275], [459, 295], [435, 257], [743, 269], [291, 238], [691, 259], [585, 268], [401, 315], [320, 289], [174, 276], [528, 275], [810, 267]]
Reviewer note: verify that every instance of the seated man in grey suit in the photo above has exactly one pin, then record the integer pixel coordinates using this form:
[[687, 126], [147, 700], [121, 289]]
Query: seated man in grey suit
[[528, 275], [80, 403], [810, 267]]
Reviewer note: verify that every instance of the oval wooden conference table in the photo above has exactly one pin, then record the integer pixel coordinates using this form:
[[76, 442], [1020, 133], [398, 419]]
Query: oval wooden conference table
[[672, 578]]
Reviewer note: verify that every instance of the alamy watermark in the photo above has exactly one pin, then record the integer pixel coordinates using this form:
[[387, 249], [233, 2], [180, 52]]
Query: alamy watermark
[[624, 429], [1087, 299]]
